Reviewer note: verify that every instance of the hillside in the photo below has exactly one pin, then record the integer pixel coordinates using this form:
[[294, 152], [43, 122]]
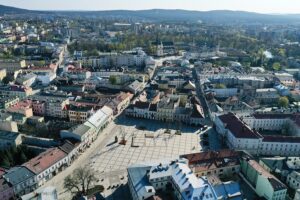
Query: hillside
[[161, 15]]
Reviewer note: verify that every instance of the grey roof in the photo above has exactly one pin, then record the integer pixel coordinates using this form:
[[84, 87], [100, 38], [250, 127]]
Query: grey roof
[[67, 147], [6, 135], [18, 175], [274, 163], [138, 176], [81, 129], [228, 190], [295, 175], [135, 85]]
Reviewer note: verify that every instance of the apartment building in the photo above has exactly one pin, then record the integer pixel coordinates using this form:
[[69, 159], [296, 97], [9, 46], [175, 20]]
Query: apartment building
[[145, 180], [293, 180], [16, 90], [8, 101], [2, 74], [9, 139], [266, 185], [47, 164], [79, 114], [223, 163], [22, 180], [239, 135]]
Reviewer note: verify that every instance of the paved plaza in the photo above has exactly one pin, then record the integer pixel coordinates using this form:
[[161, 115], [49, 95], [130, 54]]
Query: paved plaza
[[149, 144]]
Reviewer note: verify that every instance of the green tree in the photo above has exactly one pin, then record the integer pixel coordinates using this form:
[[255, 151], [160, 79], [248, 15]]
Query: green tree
[[283, 102], [276, 66], [220, 86], [7, 79], [282, 52], [113, 80]]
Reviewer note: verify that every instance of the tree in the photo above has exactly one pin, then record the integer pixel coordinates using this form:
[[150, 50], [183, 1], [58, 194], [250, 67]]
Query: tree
[[276, 66], [283, 102], [80, 181], [220, 86], [113, 80], [7, 79]]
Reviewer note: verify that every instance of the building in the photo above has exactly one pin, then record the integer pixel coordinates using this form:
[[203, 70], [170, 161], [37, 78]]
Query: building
[[8, 101], [2, 74], [224, 92], [242, 134], [266, 185], [47, 193], [120, 102], [145, 180], [8, 125], [297, 195], [9, 139], [39, 107], [135, 87], [81, 133], [267, 95], [47, 164], [22, 107], [286, 79], [77, 73], [223, 163], [15, 90], [168, 109], [12, 65], [86, 133], [50, 105], [79, 114], [293, 180], [228, 190], [45, 77], [22, 180], [26, 79], [6, 189]]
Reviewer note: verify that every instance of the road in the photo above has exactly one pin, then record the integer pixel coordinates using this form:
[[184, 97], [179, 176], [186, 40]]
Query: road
[[200, 95], [83, 160]]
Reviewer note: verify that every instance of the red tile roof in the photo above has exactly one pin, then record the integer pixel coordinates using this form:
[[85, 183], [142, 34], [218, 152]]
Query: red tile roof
[[211, 156], [45, 160], [276, 184], [238, 128], [281, 139], [272, 116]]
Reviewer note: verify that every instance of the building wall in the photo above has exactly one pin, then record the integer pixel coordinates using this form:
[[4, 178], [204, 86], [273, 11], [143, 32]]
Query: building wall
[[2, 74], [280, 148], [221, 171], [6, 143], [7, 194], [293, 181], [8, 126], [263, 188], [227, 92]]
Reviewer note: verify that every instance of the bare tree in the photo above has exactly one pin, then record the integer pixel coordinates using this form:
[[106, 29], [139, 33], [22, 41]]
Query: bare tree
[[80, 180]]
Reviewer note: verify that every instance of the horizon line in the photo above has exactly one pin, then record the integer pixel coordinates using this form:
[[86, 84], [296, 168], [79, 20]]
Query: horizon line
[[174, 9]]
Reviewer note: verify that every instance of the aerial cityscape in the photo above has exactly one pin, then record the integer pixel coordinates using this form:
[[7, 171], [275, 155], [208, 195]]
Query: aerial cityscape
[[149, 100]]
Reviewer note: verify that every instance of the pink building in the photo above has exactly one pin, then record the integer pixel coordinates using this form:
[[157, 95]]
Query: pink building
[[22, 107], [38, 108], [6, 190]]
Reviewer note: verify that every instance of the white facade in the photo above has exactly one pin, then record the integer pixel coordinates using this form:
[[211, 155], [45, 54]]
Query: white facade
[[262, 144], [293, 180]]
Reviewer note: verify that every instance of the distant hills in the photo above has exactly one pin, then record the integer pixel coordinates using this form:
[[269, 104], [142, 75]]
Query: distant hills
[[11, 10], [160, 15]]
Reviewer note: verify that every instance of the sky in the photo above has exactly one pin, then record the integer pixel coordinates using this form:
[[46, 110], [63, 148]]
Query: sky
[[261, 6]]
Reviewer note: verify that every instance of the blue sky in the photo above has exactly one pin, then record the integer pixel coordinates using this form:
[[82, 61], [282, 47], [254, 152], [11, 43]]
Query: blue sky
[[262, 6]]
